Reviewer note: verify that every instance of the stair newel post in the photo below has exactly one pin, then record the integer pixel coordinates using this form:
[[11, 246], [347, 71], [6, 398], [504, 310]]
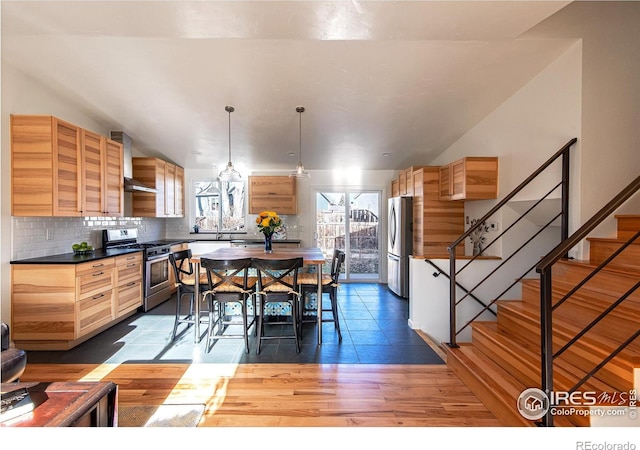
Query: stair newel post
[[564, 226], [546, 339], [452, 297]]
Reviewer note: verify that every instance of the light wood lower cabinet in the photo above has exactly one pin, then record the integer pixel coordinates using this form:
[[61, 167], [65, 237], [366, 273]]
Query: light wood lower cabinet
[[128, 283], [58, 306], [94, 295]]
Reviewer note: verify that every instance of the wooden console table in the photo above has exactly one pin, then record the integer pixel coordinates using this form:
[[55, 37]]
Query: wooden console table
[[68, 404]]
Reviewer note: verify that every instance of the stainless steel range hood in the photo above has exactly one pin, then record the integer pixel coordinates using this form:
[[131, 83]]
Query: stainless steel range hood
[[133, 185], [130, 183]]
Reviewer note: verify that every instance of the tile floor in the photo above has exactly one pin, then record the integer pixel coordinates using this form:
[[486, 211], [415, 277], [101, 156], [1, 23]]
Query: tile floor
[[372, 319]]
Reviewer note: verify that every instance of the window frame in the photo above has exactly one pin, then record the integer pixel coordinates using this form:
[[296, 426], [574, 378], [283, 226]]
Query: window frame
[[193, 215]]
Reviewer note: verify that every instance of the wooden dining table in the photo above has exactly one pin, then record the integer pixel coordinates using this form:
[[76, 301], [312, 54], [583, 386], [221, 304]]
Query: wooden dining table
[[311, 256]]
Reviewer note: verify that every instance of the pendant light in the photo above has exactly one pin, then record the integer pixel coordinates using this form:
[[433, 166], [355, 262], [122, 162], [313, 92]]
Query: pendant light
[[300, 172], [229, 173]]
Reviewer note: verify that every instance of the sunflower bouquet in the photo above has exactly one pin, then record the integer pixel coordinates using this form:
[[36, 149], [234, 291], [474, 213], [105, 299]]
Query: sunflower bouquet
[[268, 222]]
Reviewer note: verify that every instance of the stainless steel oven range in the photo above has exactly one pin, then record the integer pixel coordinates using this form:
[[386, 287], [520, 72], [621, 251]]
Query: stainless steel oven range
[[155, 272]]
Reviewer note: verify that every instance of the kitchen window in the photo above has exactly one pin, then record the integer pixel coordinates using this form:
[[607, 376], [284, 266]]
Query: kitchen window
[[220, 206]]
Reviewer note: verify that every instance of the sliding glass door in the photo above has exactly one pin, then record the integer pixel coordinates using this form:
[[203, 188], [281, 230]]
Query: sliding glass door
[[349, 220]]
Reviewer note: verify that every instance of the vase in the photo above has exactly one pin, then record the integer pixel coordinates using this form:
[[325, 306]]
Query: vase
[[477, 249], [267, 243]]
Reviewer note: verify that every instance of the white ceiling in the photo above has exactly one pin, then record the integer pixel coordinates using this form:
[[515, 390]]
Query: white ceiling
[[406, 78]]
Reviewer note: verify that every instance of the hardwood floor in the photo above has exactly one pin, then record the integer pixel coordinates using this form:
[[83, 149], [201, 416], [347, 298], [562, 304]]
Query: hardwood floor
[[309, 395], [380, 377]]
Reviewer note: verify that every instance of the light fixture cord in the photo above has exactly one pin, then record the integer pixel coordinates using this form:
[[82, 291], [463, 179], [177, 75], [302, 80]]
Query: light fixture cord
[[229, 137], [300, 157]]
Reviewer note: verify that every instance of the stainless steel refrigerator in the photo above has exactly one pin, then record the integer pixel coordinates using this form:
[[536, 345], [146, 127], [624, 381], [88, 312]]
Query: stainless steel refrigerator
[[399, 245]]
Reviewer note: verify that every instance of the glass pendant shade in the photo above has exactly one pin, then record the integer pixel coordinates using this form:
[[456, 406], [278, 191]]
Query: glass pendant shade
[[300, 172], [229, 173]]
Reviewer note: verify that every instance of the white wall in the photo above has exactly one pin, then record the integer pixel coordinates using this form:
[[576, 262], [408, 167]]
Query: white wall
[[592, 92], [610, 138], [525, 131], [429, 308]]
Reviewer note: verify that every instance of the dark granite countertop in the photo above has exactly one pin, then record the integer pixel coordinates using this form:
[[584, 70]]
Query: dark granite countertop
[[71, 258], [173, 241], [258, 241]]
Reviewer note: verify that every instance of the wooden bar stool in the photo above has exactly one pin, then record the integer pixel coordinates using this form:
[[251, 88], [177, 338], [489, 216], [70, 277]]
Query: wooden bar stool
[[278, 283], [185, 282], [309, 285], [228, 282]]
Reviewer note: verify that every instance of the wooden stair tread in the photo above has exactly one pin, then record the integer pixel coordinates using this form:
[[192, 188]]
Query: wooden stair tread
[[628, 310], [565, 374], [602, 248], [496, 388], [628, 225], [586, 353], [493, 385], [569, 327], [503, 358], [574, 316], [613, 268], [615, 240], [519, 359]]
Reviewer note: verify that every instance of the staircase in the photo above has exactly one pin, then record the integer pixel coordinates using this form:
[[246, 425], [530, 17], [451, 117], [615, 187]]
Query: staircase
[[503, 357]]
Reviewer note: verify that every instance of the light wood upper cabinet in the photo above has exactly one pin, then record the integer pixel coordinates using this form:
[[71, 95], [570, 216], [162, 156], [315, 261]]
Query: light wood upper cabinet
[[169, 189], [469, 178], [403, 185], [60, 169], [179, 191], [395, 188], [113, 178], [402, 182], [45, 167], [273, 193], [436, 223], [92, 173], [167, 179]]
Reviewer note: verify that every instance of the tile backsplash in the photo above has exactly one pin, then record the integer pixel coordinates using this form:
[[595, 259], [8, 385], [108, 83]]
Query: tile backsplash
[[44, 236]]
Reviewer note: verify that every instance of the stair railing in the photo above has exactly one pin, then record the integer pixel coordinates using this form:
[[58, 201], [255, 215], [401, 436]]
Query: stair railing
[[544, 268], [563, 215], [439, 272]]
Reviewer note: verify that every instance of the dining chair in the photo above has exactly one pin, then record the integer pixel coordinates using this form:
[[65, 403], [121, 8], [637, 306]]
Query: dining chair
[[185, 282], [278, 283], [228, 282], [330, 282]]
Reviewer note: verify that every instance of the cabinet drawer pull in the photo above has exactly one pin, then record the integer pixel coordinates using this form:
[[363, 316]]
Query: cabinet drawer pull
[[98, 274], [131, 284], [131, 257], [97, 265], [131, 265], [97, 296]]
